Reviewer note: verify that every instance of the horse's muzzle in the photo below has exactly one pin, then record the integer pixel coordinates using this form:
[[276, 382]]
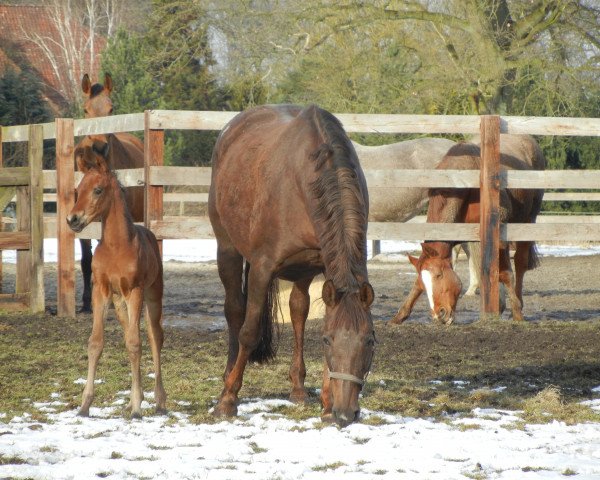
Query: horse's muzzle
[[76, 223]]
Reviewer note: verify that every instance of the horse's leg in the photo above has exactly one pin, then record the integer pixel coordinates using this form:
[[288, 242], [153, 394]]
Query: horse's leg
[[473, 251], [522, 262], [407, 306], [230, 264], [153, 297], [249, 337], [299, 307], [134, 349], [507, 278], [95, 347], [86, 271], [326, 400]]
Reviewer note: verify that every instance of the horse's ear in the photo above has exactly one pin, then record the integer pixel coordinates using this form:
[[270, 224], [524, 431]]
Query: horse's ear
[[82, 164], [101, 147], [429, 251], [367, 295], [108, 84], [86, 84], [413, 260], [331, 297]]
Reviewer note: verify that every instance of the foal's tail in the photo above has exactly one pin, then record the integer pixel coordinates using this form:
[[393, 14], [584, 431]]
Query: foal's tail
[[269, 329]]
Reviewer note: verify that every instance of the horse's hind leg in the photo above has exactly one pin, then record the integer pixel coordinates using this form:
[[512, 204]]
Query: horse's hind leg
[[95, 347], [507, 278], [230, 264], [86, 272], [299, 307], [525, 259], [153, 299], [249, 338]]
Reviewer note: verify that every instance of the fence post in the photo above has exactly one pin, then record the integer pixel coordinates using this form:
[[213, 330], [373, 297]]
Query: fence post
[[36, 185], [65, 199], [153, 156], [489, 227]]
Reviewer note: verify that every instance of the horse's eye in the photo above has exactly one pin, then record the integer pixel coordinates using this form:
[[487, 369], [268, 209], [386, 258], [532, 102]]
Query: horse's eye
[[326, 341], [98, 191]]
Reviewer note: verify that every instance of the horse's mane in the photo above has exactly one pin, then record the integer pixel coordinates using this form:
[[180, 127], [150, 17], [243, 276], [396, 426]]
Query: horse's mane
[[341, 215], [96, 89]]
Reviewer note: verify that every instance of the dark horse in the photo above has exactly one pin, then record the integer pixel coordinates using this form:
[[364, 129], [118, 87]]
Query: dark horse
[[126, 151], [434, 269], [288, 196]]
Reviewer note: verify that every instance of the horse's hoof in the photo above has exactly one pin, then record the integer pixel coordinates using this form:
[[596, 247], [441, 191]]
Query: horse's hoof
[[136, 416], [83, 412], [161, 411], [398, 319], [225, 409], [85, 309], [327, 417], [299, 397]]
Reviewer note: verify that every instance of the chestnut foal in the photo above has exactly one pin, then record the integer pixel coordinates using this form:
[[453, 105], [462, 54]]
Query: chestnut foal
[[126, 268]]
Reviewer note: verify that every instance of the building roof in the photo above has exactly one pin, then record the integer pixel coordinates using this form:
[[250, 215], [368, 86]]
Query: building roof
[[60, 78]]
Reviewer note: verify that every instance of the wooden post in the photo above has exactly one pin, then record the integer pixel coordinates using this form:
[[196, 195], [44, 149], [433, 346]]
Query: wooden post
[[153, 156], [36, 185], [489, 227], [65, 199]]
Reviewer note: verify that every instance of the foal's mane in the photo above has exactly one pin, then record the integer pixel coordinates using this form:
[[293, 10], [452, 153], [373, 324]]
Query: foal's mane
[[341, 215]]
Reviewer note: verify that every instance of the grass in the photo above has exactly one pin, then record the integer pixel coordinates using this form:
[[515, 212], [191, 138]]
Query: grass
[[419, 370]]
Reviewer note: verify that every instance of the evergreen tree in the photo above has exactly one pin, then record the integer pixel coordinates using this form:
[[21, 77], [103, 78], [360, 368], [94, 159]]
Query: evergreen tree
[[21, 103]]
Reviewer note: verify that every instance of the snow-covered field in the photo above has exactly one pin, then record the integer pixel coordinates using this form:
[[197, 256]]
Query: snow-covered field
[[262, 444]]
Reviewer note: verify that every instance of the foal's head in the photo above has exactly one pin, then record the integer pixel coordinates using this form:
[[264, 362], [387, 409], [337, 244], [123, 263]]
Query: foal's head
[[440, 282], [94, 192], [349, 344], [97, 102]]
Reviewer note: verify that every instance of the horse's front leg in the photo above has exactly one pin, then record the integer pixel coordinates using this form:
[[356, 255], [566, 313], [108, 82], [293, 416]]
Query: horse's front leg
[[134, 349], [153, 297], [299, 307], [406, 308], [326, 397], [249, 338], [101, 303]]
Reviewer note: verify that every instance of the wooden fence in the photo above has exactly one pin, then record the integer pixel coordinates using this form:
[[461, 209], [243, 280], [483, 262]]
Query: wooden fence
[[155, 177]]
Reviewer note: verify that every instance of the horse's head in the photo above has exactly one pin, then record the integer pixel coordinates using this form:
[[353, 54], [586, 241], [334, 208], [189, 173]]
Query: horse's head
[[349, 344], [439, 280], [97, 102], [92, 193]]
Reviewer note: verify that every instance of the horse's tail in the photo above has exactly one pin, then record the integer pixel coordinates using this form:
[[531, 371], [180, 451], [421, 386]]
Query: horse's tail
[[534, 258], [269, 329]]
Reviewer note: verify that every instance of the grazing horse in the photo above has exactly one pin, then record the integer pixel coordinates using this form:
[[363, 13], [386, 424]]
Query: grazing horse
[[289, 198], [127, 269], [127, 152], [435, 275]]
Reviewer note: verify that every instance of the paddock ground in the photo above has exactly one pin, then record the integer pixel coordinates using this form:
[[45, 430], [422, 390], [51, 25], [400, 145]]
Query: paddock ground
[[420, 369]]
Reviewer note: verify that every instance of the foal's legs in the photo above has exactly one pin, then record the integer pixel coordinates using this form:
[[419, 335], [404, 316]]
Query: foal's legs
[[95, 347], [407, 306], [86, 271], [153, 297], [249, 337], [299, 307], [521, 259], [134, 349]]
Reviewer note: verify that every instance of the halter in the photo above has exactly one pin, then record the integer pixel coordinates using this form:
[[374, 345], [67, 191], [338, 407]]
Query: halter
[[349, 377]]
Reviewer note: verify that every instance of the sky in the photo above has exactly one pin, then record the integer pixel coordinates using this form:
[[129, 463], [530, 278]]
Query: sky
[[262, 444]]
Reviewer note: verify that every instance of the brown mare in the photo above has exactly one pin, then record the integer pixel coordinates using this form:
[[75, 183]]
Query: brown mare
[[289, 198], [127, 270], [127, 152], [435, 275]]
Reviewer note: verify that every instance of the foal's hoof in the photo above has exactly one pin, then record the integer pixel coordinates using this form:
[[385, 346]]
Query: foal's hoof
[[398, 319], [83, 412], [136, 416], [327, 417], [161, 411], [225, 409]]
